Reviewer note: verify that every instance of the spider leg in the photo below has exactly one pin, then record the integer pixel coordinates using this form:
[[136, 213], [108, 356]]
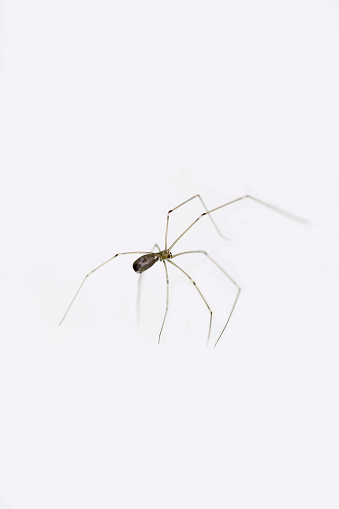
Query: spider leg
[[167, 290], [201, 295], [139, 287], [184, 203], [247, 196], [91, 272], [228, 276]]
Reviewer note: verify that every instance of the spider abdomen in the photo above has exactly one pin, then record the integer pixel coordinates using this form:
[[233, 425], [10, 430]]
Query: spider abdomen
[[145, 262]]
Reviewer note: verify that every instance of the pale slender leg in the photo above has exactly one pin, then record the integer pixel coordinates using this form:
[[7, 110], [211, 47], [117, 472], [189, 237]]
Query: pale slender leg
[[228, 276], [167, 291], [201, 295], [261, 202], [139, 288], [184, 203], [96, 268]]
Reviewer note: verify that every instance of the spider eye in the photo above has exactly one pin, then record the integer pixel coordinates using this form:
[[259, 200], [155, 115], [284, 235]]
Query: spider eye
[[144, 262]]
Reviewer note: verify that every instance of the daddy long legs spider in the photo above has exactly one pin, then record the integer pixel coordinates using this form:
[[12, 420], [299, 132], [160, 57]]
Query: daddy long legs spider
[[149, 258]]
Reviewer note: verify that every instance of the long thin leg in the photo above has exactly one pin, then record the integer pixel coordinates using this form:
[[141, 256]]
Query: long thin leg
[[273, 207], [201, 295], [96, 268], [139, 287], [167, 290], [184, 203], [228, 276]]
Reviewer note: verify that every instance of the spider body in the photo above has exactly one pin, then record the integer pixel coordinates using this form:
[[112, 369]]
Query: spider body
[[148, 259]]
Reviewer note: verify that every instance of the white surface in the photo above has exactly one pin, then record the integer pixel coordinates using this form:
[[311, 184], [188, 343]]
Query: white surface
[[111, 114]]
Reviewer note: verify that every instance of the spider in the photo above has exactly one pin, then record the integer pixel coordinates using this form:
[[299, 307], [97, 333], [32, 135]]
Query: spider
[[149, 258]]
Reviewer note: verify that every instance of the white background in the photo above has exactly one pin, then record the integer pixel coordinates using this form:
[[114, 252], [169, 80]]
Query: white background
[[111, 114]]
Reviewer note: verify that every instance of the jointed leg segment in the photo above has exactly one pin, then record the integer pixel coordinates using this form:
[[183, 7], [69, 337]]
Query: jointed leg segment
[[257, 200], [167, 292], [201, 295], [184, 203], [228, 276], [139, 286], [96, 268]]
